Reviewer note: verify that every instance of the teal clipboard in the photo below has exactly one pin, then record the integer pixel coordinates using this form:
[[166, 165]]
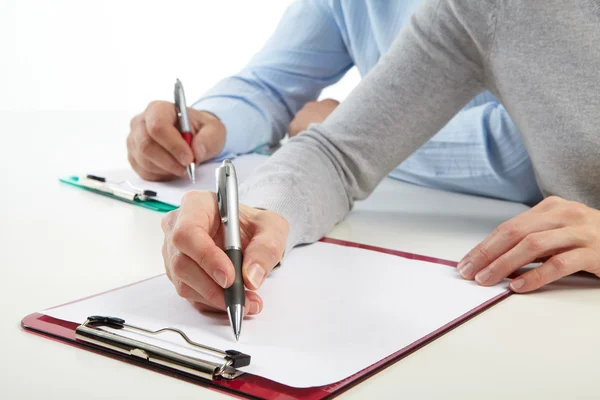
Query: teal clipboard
[[150, 204]]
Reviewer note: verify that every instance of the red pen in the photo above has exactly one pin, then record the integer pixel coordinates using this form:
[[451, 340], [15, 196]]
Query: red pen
[[184, 124]]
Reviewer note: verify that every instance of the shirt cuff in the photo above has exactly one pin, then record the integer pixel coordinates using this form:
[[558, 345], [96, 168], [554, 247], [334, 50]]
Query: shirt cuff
[[246, 126], [281, 198]]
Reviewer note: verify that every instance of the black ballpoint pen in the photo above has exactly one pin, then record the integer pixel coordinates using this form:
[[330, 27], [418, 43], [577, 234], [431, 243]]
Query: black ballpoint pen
[[227, 198]]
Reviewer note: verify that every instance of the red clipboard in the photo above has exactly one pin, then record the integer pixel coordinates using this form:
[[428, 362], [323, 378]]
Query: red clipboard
[[252, 386]]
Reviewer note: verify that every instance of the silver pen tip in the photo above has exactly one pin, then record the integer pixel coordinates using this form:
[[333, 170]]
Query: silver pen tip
[[191, 171], [236, 315]]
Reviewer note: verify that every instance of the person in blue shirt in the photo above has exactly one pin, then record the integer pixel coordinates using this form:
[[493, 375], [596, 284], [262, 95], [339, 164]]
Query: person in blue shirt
[[317, 41]]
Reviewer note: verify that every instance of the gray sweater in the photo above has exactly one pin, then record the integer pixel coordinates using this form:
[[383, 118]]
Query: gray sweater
[[518, 49]]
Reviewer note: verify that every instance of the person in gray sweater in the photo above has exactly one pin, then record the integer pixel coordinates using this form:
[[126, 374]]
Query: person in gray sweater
[[519, 50]]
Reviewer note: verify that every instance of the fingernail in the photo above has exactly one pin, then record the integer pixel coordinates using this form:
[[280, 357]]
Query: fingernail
[[184, 159], [220, 278], [200, 152], [254, 308], [517, 284], [466, 270], [483, 276], [461, 264], [256, 275]]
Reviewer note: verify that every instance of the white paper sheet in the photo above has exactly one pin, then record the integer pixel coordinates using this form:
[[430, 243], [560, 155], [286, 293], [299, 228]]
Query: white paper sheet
[[329, 312], [171, 192]]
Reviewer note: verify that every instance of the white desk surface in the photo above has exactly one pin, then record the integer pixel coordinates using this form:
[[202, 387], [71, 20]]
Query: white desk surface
[[58, 244]]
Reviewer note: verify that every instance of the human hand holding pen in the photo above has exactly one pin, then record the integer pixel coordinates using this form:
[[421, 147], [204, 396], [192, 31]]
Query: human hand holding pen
[[193, 251], [157, 151]]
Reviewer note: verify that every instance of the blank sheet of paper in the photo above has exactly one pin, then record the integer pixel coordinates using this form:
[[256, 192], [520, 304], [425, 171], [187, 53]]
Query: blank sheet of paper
[[329, 312], [171, 192]]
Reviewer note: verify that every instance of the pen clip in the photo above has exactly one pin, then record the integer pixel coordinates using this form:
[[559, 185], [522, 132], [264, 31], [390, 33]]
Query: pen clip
[[177, 95], [181, 107], [221, 173]]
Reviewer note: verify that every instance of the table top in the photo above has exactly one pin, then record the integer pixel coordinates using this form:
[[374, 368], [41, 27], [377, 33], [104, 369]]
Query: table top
[[58, 244]]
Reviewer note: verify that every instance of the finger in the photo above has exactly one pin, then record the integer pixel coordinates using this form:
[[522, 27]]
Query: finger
[[201, 304], [265, 248], [139, 143], [180, 270], [203, 307], [183, 289], [168, 221], [504, 238], [197, 222], [301, 120], [166, 251], [165, 256], [153, 157], [253, 305], [548, 204], [210, 138], [294, 128], [192, 282], [146, 149], [131, 150], [144, 173], [331, 103], [534, 246], [556, 267], [150, 169], [160, 119], [187, 292], [138, 146]]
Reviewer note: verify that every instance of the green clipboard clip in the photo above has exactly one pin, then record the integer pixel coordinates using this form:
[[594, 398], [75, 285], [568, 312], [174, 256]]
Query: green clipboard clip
[[134, 196]]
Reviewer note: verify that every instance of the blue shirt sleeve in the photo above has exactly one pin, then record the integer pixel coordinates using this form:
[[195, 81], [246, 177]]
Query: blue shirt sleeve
[[480, 152], [305, 54]]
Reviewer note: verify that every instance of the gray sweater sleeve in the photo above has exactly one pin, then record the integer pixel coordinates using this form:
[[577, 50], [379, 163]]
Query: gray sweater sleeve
[[435, 66]]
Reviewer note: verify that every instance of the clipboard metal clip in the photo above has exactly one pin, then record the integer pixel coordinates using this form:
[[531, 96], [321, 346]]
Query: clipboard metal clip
[[91, 332], [123, 189]]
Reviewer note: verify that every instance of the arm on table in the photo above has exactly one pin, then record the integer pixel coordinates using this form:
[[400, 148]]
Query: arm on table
[[435, 66], [305, 54]]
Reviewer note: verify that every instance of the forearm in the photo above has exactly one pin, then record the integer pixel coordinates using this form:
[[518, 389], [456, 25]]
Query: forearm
[[297, 182], [431, 71], [250, 119], [305, 54]]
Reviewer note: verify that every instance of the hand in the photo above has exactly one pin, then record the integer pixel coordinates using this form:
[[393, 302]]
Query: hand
[[562, 234], [313, 112], [157, 151], [199, 268]]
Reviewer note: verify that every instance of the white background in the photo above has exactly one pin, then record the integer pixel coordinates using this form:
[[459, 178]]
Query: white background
[[72, 73], [119, 55]]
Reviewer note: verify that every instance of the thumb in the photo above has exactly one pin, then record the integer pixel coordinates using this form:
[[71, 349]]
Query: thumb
[[265, 250], [209, 139], [333, 103]]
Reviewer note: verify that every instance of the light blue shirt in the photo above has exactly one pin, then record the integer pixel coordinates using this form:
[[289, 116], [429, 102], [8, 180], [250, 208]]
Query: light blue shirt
[[317, 41]]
